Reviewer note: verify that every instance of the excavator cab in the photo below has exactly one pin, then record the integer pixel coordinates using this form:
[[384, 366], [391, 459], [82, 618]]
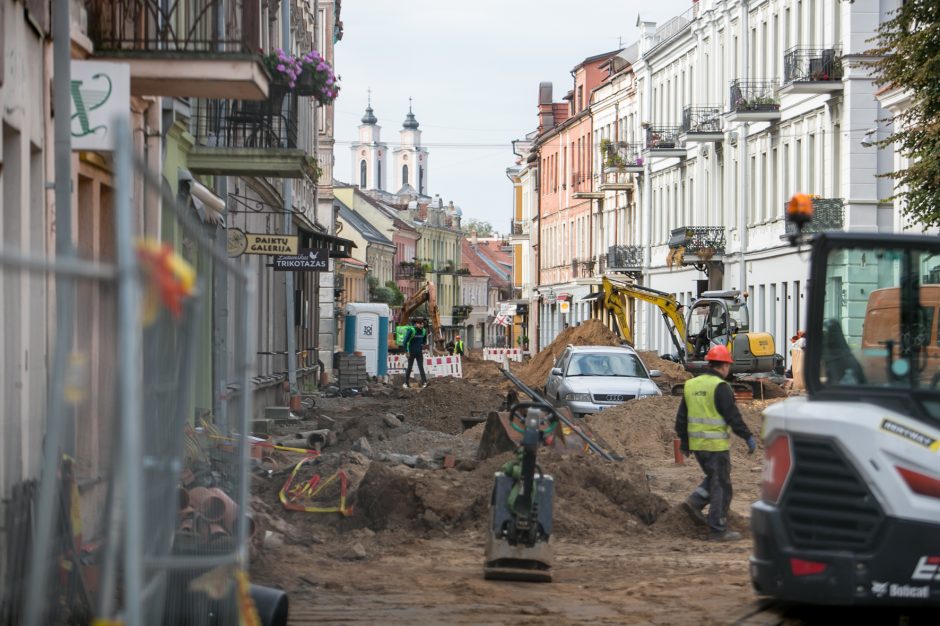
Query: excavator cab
[[722, 317]]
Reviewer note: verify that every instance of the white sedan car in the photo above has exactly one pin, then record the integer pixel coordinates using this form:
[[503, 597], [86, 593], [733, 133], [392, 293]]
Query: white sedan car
[[589, 379]]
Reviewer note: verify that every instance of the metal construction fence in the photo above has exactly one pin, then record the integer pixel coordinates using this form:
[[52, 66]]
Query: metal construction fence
[[140, 513]]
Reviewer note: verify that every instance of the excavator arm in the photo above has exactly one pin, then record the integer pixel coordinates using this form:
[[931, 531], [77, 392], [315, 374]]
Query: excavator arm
[[614, 294], [427, 294]]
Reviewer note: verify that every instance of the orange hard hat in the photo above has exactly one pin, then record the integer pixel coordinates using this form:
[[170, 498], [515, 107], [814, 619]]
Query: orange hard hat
[[719, 354]]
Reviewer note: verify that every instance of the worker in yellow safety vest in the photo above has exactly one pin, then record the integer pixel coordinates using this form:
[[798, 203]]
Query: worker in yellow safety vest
[[707, 415], [458, 346]]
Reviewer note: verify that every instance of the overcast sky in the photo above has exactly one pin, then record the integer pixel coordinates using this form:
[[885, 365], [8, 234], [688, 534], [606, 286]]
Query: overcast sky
[[473, 70]]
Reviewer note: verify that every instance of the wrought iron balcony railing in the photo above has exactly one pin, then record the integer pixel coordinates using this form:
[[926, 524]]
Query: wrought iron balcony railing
[[517, 227], [624, 258], [172, 27], [409, 271], [582, 268], [270, 123], [461, 312], [812, 65], [700, 241], [701, 119], [828, 214], [753, 96], [663, 138], [621, 155]]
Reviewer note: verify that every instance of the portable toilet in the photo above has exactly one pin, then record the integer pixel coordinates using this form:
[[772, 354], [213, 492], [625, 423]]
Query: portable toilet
[[367, 332]]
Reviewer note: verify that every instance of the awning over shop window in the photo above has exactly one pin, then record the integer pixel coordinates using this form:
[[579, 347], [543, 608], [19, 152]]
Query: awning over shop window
[[591, 297]]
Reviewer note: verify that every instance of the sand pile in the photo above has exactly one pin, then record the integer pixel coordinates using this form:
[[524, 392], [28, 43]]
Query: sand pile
[[589, 333]]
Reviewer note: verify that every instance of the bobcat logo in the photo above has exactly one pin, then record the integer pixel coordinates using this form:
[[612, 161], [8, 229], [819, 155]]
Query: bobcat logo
[[879, 590]]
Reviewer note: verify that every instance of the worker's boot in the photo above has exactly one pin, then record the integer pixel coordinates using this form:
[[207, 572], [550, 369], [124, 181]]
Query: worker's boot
[[694, 510], [728, 535]]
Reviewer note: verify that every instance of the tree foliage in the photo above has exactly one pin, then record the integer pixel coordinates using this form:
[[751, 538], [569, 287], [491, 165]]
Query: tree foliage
[[480, 228], [907, 51]]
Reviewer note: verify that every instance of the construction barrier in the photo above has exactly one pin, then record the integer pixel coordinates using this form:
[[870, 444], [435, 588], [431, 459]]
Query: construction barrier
[[497, 354], [434, 366]]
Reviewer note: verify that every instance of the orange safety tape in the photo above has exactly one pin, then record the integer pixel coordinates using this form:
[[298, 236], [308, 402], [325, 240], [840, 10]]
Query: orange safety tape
[[315, 488]]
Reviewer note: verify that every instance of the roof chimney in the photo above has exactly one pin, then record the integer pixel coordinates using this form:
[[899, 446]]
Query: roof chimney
[[546, 114]]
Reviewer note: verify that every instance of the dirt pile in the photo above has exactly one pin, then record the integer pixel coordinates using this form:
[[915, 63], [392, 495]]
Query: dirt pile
[[445, 401], [591, 496], [644, 429], [589, 333], [672, 373]]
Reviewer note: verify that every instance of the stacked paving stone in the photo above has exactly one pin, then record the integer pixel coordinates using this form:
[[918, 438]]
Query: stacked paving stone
[[352, 371]]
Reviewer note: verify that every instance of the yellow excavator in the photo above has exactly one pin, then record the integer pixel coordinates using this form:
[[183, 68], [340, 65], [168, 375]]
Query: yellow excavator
[[427, 294], [717, 317]]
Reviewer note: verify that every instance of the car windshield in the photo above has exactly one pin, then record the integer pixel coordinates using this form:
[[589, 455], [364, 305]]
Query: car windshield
[[606, 365], [880, 319]]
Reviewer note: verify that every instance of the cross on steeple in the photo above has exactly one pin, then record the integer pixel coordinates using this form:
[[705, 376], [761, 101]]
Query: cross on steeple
[[369, 92], [409, 104]]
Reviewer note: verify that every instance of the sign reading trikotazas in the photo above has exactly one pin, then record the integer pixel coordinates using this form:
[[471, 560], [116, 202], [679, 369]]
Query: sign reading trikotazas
[[259, 243], [100, 94], [309, 260]]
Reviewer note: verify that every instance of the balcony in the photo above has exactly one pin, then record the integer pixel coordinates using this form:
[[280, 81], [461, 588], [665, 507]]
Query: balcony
[[753, 101], [461, 313], [828, 214], [622, 157], [409, 271], [176, 49], [249, 138], [625, 258], [664, 142], [582, 268], [518, 230], [693, 245], [812, 70], [701, 124]]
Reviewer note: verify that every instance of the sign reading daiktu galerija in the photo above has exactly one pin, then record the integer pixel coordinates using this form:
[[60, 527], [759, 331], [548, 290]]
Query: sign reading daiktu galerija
[[100, 94]]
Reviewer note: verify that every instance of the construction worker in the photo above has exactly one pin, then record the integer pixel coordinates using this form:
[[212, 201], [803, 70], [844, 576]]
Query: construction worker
[[458, 346], [414, 346], [706, 417]]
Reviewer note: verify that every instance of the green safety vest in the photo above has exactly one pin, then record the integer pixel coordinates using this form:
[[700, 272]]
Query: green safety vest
[[400, 333], [458, 347], [707, 428]]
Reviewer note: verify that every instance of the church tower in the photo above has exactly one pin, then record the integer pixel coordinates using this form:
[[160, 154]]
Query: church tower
[[369, 154], [410, 167]]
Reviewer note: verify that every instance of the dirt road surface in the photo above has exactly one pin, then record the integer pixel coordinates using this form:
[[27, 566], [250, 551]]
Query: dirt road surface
[[411, 549]]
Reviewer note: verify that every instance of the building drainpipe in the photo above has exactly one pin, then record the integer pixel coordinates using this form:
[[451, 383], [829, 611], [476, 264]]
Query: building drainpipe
[[286, 194], [742, 157]]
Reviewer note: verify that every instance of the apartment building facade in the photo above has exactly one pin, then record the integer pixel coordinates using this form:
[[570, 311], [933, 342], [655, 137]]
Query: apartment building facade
[[709, 125]]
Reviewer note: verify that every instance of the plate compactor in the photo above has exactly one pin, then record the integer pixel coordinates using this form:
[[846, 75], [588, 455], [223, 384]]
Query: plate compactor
[[517, 545]]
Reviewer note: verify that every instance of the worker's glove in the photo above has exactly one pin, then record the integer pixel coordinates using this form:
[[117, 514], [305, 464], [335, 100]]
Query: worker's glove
[[751, 444]]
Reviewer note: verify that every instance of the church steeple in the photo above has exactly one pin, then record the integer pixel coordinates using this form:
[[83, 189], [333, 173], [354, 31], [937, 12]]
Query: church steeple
[[410, 122], [369, 117], [410, 158], [369, 154]]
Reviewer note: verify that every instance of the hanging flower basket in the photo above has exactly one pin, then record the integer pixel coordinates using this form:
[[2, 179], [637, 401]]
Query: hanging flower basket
[[308, 75]]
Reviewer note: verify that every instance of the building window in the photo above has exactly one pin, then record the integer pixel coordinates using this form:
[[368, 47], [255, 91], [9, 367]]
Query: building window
[[362, 174], [420, 179], [378, 178], [404, 174]]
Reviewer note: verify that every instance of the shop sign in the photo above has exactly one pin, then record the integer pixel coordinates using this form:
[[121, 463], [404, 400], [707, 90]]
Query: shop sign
[[101, 94], [309, 260], [266, 243], [564, 306]]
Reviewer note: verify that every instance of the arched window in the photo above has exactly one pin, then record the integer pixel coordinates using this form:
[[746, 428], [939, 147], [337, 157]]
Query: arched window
[[404, 174], [378, 171], [420, 179], [362, 174]]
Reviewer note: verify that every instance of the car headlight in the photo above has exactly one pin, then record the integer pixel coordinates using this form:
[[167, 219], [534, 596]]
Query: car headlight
[[578, 397]]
